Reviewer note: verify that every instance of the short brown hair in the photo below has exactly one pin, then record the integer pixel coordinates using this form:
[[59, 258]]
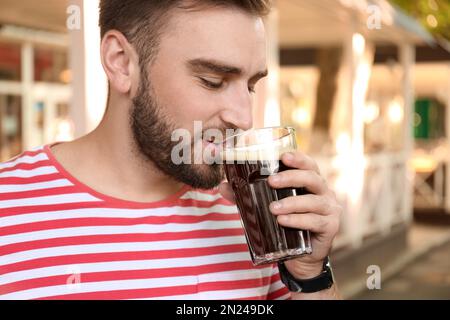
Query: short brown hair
[[142, 21]]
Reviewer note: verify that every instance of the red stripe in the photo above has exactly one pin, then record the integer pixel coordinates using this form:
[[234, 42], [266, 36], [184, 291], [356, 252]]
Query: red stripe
[[144, 274], [98, 222], [51, 207], [120, 256], [27, 166], [128, 294], [253, 298], [118, 238], [278, 293], [236, 284], [275, 277], [27, 180], [104, 204]]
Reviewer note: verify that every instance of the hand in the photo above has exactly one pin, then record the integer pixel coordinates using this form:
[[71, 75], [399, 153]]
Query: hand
[[318, 212]]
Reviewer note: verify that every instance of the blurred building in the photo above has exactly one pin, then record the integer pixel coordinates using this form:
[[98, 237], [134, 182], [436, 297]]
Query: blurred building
[[354, 79], [341, 72], [34, 75]]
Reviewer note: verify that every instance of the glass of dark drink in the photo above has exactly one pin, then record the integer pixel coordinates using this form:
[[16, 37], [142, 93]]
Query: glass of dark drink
[[250, 157]]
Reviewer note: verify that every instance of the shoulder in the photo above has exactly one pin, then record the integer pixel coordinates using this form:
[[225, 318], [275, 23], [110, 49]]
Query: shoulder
[[30, 167], [27, 160]]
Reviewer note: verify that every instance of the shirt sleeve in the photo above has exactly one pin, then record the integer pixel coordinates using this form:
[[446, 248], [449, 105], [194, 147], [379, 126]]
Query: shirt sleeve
[[277, 289]]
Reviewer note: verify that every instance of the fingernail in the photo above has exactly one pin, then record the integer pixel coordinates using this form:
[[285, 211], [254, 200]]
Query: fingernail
[[275, 205]]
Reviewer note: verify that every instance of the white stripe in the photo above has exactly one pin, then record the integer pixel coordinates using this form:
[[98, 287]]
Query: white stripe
[[24, 159], [145, 284], [284, 297], [235, 274], [19, 173], [276, 286], [55, 199], [37, 148], [233, 294], [201, 196], [216, 295], [135, 265], [118, 247], [101, 286], [102, 230], [193, 296], [114, 213], [34, 186]]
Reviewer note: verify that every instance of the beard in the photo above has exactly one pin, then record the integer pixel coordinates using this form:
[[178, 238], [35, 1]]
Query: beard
[[152, 132]]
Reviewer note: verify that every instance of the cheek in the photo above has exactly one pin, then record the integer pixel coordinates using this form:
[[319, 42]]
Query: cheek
[[186, 102]]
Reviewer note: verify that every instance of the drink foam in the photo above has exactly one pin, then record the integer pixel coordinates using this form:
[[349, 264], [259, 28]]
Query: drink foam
[[269, 151]]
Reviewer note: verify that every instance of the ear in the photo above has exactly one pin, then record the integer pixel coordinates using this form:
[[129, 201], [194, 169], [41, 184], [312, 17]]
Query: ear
[[119, 61]]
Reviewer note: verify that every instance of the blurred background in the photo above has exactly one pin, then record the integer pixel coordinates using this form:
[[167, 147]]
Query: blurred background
[[366, 83]]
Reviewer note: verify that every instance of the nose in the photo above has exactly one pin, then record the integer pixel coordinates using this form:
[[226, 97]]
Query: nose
[[238, 110]]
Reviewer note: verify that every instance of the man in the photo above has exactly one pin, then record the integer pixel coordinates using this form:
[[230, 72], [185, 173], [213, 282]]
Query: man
[[110, 216]]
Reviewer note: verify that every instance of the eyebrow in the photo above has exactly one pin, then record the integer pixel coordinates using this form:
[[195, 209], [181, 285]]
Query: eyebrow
[[202, 65]]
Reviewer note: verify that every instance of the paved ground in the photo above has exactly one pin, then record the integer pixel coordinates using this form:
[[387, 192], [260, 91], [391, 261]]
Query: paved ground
[[427, 277]]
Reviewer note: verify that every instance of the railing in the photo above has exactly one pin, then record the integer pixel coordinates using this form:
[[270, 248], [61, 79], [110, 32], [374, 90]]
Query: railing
[[384, 199], [429, 188]]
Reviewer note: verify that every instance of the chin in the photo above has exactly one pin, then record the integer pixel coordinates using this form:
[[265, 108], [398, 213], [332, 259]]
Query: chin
[[205, 176]]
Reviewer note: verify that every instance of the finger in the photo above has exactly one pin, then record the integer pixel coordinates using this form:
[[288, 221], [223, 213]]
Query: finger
[[311, 180], [299, 160], [302, 204], [310, 221], [227, 192]]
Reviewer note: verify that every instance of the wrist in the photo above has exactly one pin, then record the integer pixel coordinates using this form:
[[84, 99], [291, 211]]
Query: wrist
[[305, 281], [300, 270]]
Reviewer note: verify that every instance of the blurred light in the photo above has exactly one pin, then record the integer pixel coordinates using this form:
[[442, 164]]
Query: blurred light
[[297, 88], [371, 112], [271, 113], [431, 20], [64, 131], [343, 143], [350, 168], [301, 116], [65, 76], [433, 5], [423, 164], [395, 111], [96, 84], [358, 43]]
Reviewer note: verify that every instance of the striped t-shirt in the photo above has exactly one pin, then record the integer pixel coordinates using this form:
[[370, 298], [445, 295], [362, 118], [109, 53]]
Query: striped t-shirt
[[59, 239]]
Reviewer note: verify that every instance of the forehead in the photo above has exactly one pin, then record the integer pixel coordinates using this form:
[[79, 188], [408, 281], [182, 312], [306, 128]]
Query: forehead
[[224, 34]]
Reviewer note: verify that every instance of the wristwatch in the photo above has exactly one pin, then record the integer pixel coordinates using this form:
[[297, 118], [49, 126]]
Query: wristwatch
[[322, 282]]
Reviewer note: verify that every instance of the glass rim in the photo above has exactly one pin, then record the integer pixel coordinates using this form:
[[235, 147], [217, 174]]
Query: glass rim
[[290, 129]]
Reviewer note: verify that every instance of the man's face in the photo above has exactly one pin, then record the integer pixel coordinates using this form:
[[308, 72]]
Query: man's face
[[206, 69]]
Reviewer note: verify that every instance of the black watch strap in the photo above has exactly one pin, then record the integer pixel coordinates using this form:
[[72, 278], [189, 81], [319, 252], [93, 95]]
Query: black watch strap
[[322, 282]]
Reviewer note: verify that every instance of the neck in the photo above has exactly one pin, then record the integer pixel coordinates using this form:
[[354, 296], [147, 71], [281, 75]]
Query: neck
[[114, 166]]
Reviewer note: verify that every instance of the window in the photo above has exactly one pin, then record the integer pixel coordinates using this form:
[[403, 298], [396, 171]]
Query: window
[[51, 65], [10, 61], [10, 126]]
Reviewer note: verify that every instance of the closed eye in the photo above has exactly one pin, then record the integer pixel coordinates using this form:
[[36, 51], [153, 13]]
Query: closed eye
[[217, 85], [212, 84]]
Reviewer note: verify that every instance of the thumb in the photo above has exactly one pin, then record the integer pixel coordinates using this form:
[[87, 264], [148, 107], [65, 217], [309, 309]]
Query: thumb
[[227, 192]]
